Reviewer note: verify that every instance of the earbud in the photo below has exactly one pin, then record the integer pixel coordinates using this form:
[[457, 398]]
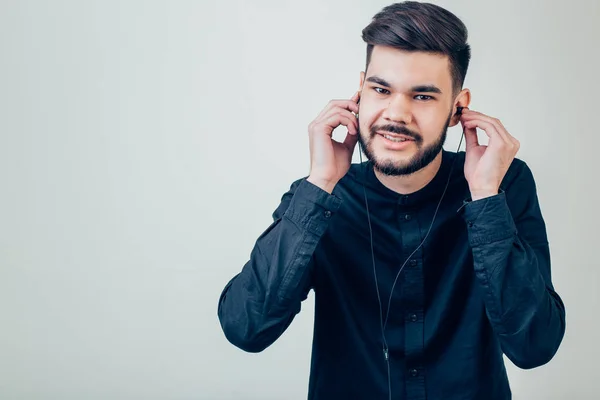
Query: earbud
[[459, 110]]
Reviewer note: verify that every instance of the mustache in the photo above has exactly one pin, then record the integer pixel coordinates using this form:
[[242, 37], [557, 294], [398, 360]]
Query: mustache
[[399, 130]]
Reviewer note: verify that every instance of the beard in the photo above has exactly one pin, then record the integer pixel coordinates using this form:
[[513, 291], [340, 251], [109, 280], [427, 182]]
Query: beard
[[423, 157]]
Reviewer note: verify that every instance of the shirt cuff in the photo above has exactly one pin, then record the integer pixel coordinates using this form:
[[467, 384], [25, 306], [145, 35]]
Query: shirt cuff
[[489, 220], [312, 208]]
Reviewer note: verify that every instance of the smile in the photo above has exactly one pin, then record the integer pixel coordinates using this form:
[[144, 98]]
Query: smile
[[396, 139]]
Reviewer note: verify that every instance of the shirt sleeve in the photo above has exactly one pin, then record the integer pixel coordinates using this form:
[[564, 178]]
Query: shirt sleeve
[[511, 257], [258, 304]]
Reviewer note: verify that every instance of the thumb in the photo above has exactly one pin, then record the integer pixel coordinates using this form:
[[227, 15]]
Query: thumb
[[471, 137], [350, 141]]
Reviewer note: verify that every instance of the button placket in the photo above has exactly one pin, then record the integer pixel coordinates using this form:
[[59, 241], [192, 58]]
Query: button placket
[[413, 298]]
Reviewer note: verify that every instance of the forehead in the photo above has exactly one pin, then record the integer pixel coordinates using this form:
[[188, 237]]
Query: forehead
[[404, 69]]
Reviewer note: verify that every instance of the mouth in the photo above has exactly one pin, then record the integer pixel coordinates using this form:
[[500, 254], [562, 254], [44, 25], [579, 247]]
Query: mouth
[[396, 138], [394, 142]]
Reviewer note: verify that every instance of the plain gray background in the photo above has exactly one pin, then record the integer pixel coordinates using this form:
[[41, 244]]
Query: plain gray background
[[145, 144]]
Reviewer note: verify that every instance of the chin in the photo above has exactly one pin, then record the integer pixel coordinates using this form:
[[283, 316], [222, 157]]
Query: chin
[[386, 158], [384, 163]]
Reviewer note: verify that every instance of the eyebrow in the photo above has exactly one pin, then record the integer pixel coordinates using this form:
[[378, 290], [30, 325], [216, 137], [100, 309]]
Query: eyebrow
[[418, 88]]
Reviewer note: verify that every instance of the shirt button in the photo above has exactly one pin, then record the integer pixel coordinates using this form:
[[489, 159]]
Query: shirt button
[[412, 263], [327, 214], [414, 372], [407, 217], [413, 317]]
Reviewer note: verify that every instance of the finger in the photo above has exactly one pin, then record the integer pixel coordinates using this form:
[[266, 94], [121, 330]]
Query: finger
[[469, 115], [508, 140], [504, 132], [350, 141], [352, 126], [488, 128], [345, 104], [336, 120], [471, 138]]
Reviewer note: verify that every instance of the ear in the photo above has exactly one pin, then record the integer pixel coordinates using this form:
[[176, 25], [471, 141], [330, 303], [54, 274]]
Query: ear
[[463, 99], [362, 81]]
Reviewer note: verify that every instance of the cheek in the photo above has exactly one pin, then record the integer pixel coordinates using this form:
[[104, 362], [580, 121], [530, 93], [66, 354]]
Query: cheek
[[364, 125], [428, 120], [430, 126], [367, 119]]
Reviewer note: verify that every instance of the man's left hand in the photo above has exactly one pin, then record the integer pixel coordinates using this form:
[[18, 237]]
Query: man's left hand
[[485, 166]]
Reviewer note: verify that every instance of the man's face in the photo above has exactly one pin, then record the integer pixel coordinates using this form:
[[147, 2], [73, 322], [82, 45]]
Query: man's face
[[406, 107]]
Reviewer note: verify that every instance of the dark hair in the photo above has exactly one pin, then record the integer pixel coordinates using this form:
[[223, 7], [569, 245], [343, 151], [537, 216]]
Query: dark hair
[[415, 26]]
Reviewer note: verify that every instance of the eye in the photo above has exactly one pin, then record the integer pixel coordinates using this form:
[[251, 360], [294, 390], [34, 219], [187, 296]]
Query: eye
[[377, 89], [423, 97]]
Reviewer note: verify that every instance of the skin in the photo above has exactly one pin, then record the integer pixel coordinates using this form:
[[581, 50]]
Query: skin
[[413, 92]]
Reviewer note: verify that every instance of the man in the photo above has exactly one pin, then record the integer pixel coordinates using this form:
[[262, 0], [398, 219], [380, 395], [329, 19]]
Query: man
[[427, 265]]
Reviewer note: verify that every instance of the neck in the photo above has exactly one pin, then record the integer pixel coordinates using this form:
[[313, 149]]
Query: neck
[[407, 184]]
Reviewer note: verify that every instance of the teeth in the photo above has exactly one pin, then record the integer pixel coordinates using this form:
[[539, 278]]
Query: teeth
[[393, 139]]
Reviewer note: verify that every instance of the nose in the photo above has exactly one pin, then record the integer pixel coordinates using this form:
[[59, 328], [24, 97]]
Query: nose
[[398, 111]]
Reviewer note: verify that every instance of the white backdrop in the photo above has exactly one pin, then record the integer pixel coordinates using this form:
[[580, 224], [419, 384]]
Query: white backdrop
[[145, 144]]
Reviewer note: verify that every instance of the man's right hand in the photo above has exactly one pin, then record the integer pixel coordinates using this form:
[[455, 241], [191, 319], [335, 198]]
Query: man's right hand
[[329, 159]]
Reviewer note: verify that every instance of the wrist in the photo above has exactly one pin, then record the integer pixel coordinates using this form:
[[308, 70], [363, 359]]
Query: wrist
[[478, 194], [322, 183]]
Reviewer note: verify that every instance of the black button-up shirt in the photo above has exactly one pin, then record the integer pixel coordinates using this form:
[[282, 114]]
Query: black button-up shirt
[[478, 288]]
